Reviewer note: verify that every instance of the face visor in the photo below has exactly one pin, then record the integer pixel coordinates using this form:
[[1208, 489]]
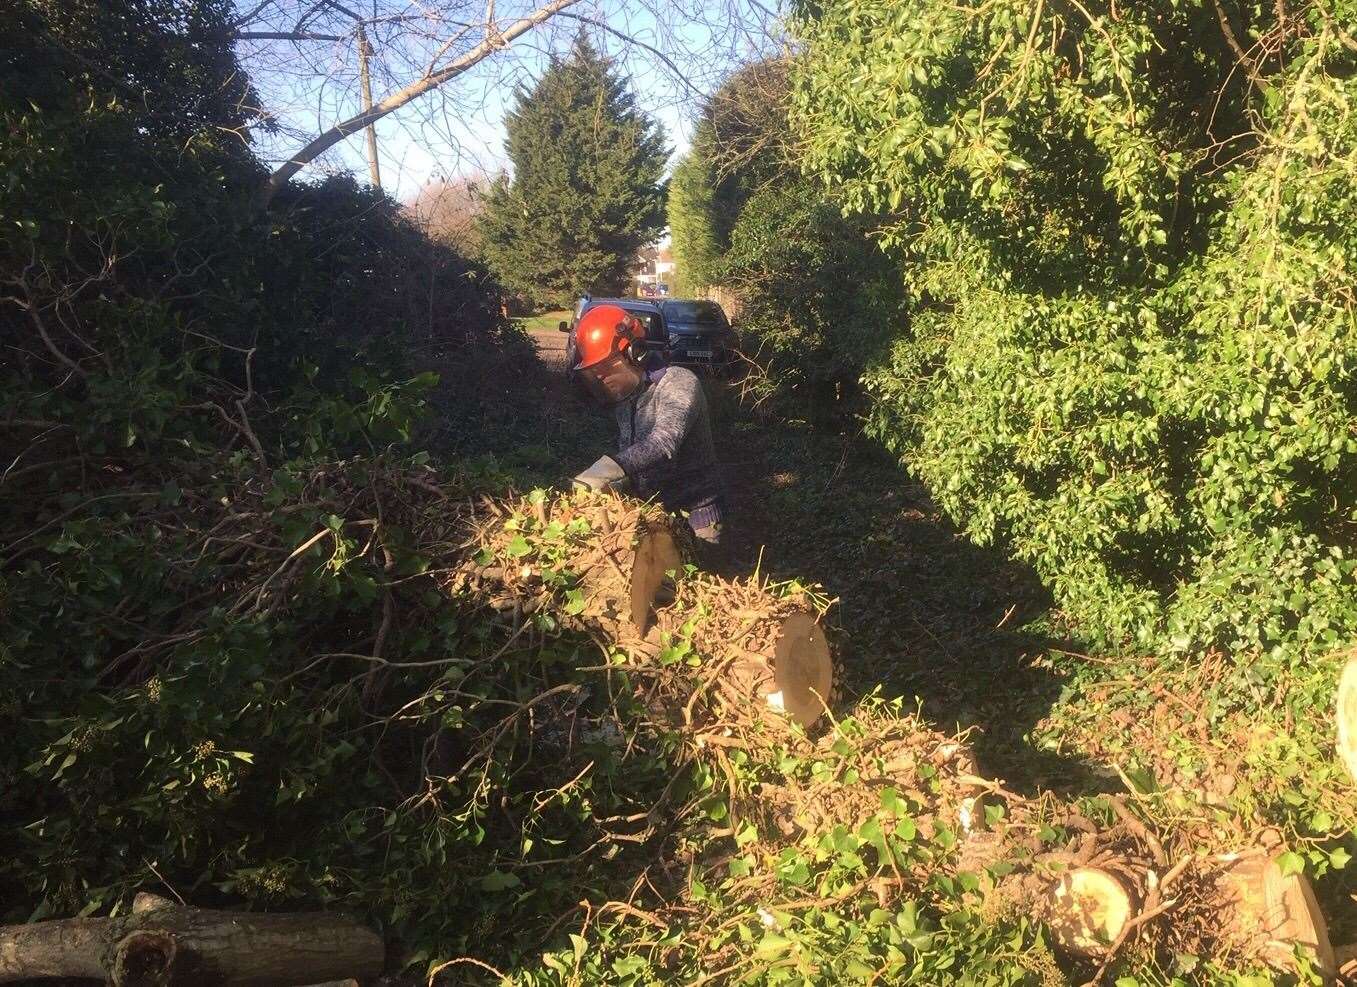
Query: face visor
[[613, 379]]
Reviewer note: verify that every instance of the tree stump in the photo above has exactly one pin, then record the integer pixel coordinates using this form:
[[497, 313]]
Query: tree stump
[[161, 944]]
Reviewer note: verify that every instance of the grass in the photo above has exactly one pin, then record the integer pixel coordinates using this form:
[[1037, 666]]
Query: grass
[[545, 321]]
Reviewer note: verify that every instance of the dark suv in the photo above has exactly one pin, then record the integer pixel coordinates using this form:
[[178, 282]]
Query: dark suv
[[647, 312], [699, 332]]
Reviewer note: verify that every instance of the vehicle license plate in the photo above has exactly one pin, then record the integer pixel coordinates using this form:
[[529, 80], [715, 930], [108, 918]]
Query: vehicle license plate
[[700, 354]]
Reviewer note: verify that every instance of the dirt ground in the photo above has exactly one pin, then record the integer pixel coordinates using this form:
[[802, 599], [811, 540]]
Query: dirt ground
[[550, 343]]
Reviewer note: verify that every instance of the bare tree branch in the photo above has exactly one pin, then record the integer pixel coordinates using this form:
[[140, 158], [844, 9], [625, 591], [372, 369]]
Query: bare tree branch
[[631, 39], [246, 18], [286, 36], [401, 97]]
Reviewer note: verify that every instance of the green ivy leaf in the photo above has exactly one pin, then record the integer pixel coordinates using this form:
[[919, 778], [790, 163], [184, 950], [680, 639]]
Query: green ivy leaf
[[498, 880], [1290, 863]]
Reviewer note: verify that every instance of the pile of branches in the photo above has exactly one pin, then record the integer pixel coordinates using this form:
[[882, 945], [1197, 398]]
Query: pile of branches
[[474, 718], [260, 676]]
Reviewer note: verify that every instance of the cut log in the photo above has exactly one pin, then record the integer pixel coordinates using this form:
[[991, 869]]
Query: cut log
[[1087, 910], [622, 552], [1346, 715], [802, 670], [1277, 910], [656, 560], [794, 678], [747, 651], [164, 944]]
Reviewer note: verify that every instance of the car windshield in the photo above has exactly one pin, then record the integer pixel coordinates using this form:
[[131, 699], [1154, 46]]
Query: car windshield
[[695, 313]]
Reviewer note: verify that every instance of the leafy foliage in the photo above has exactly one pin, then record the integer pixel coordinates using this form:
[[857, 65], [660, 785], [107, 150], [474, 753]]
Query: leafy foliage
[[818, 297], [692, 220], [178, 363], [586, 190], [815, 293], [1131, 354]]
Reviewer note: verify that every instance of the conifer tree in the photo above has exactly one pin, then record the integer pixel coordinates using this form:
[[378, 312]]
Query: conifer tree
[[692, 222], [586, 192]]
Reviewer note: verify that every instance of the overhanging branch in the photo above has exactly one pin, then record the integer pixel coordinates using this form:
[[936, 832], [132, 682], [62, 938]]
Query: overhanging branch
[[492, 43]]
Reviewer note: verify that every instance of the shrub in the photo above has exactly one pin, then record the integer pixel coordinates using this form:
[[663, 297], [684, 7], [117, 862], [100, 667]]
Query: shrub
[[1131, 357], [817, 296]]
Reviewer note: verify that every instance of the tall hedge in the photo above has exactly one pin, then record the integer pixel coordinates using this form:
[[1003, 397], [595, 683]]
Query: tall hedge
[[816, 294], [175, 362], [1132, 357]]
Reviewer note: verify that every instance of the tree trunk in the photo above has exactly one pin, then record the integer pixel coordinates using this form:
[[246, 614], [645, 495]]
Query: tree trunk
[[165, 945]]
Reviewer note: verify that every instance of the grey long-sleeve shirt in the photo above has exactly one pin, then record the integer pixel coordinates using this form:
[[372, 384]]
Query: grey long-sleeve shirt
[[665, 443]]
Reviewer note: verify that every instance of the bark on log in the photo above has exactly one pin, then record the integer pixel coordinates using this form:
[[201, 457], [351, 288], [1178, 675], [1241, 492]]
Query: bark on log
[[165, 945]]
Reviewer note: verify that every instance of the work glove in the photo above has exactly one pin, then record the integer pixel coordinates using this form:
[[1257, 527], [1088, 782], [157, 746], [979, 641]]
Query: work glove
[[603, 475]]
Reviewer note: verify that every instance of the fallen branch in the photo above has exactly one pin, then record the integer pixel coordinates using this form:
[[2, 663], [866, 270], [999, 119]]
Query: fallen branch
[[162, 943]]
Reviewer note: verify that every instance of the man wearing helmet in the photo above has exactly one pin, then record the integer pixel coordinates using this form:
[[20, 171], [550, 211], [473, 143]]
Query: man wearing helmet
[[665, 444]]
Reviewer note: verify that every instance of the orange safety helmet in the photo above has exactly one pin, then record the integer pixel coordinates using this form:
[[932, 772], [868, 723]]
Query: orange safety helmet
[[603, 331]]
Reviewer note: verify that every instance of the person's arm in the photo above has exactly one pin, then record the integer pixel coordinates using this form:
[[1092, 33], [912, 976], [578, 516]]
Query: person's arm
[[679, 400]]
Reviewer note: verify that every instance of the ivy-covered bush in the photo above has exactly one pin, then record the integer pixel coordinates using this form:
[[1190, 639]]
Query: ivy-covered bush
[[1132, 353], [818, 297], [186, 382]]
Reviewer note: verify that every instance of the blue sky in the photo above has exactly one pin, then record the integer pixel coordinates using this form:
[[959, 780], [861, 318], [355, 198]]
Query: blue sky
[[458, 129]]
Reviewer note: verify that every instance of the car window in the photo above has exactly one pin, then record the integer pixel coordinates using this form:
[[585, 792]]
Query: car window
[[652, 320], [695, 312]]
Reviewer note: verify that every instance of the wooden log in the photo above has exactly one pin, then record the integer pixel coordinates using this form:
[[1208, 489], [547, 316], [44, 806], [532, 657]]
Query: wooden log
[[1345, 713], [623, 552], [655, 560], [761, 653], [1087, 909], [166, 945], [794, 679], [1277, 910]]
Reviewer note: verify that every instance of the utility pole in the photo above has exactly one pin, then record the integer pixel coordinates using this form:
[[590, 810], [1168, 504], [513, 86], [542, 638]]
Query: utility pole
[[373, 167]]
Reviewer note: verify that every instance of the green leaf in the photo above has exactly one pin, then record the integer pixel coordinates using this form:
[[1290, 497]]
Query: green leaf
[[498, 880], [893, 803], [1290, 863], [772, 946]]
